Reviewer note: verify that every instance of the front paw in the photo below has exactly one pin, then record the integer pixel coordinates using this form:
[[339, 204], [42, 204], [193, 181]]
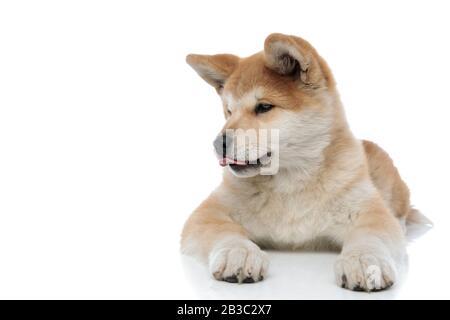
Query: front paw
[[364, 272], [238, 261]]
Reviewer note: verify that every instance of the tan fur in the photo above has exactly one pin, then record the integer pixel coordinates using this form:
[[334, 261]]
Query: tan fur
[[332, 190], [386, 178]]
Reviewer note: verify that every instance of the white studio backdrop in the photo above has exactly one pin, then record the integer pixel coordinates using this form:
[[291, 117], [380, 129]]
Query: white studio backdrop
[[106, 137]]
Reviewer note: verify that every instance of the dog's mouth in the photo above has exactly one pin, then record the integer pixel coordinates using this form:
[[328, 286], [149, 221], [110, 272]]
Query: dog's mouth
[[240, 165]]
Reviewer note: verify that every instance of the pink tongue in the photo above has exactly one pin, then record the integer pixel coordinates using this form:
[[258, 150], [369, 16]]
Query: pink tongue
[[223, 162]]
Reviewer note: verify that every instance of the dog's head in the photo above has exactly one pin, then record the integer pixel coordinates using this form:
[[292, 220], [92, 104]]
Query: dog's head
[[277, 105]]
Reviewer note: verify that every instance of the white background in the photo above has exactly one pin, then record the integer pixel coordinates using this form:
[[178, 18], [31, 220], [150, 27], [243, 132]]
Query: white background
[[106, 137]]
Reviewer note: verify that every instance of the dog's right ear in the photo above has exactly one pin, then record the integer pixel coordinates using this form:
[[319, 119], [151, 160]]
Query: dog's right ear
[[214, 69]]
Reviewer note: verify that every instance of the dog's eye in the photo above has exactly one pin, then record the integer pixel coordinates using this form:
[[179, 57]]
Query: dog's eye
[[263, 107]]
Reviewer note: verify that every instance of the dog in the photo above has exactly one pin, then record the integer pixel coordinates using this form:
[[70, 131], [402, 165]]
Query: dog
[[329, 190]]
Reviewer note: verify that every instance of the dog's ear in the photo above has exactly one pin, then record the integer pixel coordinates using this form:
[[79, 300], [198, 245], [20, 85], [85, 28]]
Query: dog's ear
[[214, 69], [295, 57]]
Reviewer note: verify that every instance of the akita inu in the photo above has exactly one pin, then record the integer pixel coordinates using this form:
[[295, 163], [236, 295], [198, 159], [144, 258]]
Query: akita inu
[[330, 190]]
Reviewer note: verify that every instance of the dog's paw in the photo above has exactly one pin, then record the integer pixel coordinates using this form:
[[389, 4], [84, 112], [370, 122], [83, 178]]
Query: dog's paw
[[364, 272], [238, 261]]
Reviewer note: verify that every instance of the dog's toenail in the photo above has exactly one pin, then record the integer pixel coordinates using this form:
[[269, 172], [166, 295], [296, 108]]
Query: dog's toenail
[[231, 279], [248, 280], [358, 288]]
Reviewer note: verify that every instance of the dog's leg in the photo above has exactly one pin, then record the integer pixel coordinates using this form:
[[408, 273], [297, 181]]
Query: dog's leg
[[211, 234], [370, 251]]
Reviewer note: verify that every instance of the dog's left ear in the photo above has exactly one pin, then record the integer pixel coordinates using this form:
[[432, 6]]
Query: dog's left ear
[[295, 57], [214, 69]]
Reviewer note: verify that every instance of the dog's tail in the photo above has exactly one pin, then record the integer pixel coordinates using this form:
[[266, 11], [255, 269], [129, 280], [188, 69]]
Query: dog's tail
[[417, 224]]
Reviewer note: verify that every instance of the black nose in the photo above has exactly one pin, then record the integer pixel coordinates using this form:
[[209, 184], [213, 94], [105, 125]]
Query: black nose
[[222, 142]]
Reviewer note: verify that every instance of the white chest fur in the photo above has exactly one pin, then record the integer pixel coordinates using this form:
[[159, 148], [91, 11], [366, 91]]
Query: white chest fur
[[297, 217]]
